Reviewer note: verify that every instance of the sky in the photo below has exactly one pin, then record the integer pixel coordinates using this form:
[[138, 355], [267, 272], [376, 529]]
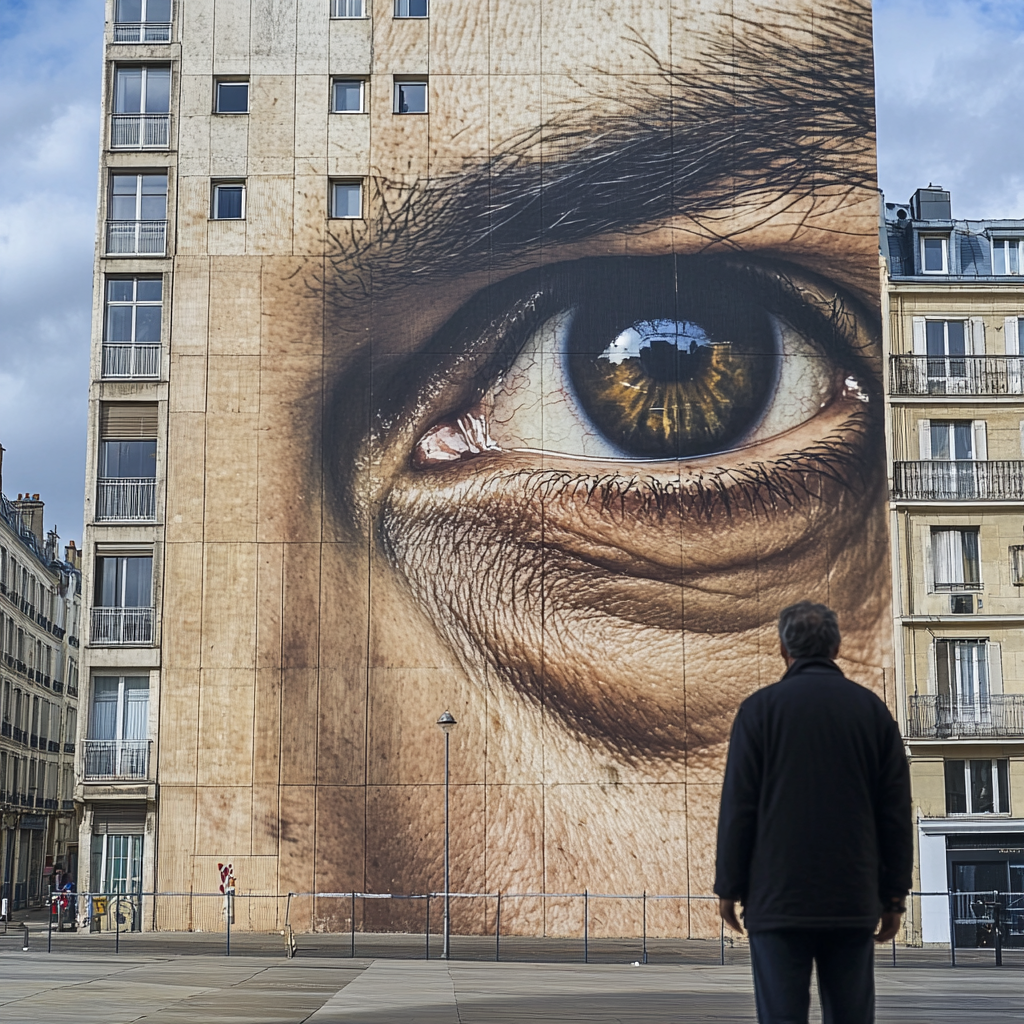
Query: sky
[[948, 92]]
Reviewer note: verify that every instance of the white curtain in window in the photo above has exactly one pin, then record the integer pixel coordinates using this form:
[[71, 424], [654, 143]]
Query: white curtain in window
[[103, 720], [136, 709], [948, 556]]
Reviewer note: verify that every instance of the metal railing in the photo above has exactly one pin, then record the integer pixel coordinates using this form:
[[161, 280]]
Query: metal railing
[[960, 480], [937, 716], [113, 626], [139, 131], [136, 237], [126, 360], [115, 759], [126, 499], [956, 375], [142, 32]]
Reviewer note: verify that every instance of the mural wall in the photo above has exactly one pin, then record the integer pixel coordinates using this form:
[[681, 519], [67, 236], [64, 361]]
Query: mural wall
[[546, 439]]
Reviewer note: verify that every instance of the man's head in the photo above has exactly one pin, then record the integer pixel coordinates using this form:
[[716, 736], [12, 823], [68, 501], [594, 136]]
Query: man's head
[[808, 630]]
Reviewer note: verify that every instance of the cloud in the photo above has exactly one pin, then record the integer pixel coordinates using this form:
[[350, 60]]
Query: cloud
[[49, 141], [947, 83]]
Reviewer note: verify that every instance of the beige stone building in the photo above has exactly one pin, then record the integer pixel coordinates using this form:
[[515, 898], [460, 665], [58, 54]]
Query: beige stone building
[[379, 283], [40, 606], [955, 340]]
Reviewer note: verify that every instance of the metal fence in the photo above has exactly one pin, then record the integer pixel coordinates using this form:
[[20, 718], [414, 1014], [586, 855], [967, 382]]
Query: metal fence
[[957, 375], [938, 716], [984, 927], [958, 480]]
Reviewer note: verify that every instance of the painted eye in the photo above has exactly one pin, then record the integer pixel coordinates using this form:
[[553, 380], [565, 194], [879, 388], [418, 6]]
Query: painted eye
[[654, 364]]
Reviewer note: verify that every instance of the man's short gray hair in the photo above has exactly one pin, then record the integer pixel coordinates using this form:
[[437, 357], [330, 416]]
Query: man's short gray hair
[[809, 630]]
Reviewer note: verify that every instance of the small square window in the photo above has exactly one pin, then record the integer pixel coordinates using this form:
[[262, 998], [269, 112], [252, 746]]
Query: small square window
[[934, 254], [229, 201], [410, 97], [347, 9], [347, 199], [232, 98], [349, 96], [410, 8]]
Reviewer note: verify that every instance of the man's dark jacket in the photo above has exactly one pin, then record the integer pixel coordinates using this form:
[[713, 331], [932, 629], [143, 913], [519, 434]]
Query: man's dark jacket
[[815, 825]]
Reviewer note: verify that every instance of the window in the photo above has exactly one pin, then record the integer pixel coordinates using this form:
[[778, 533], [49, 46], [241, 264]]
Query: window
[[142, 90], [121, 459], [229, 201], [935, 254], [123, 598], [967, 673], [977, 787], [232, 98], [410, 8], [952, 439], [142, 21], [1007, 256], [347, 199], [138, 215], [120, 708], [411, 97], [117, 867], [131, 327], [347, 9], [349, 96]]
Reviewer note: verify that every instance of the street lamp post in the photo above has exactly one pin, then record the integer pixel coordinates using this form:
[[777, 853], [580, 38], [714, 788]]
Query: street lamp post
[[446, 723]]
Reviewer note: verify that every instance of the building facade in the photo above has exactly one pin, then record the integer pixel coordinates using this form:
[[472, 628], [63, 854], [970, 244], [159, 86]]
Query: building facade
[[426, 376], [40, 604], [955, 338]]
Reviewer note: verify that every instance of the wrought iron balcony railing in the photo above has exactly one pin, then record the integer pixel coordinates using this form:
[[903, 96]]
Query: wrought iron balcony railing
[[139, 131], [114, 626], [956, 375], [126, 499], [142, 32], [126, 360], [934, 716], [961, 480], [115, 759], [136, 237]]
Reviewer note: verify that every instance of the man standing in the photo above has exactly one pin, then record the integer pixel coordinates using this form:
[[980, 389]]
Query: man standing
[[814, 834]]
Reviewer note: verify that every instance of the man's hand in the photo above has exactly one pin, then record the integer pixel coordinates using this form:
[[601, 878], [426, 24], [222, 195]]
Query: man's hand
[[727, 912], [888, 927]]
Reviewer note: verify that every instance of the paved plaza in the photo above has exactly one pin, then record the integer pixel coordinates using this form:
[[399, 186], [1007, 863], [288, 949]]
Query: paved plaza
[[101, 988]]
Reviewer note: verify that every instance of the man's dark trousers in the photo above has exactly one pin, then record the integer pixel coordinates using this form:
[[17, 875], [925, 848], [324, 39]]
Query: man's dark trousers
[[781, 962]]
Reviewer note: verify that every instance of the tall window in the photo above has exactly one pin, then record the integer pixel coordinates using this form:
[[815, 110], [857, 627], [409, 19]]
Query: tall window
[[118, 745], [142, 101], [122, 611], [411, 97], [131, 327], [977, 787], [347, 8], [1007, 256], [138, 215], [229, 200], [935, 254], [410, 8], [117, 867], [963, 675], [126, 484], [142, 21]]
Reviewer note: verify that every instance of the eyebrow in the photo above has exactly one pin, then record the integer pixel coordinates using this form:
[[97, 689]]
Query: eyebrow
[[765, 113]]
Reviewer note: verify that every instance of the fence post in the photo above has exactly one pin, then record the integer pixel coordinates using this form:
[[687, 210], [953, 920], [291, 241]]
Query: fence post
[[497, 930], [428, 927], [645, 925], [586, 925], [227, 914], [951, 897], [352, 951], [49, 930], [721, 941], [894, 951], [117, 927], [996, 927]]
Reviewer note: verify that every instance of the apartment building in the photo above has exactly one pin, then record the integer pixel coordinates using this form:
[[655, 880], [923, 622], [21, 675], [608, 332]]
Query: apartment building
[[954, 333], [40, 603]]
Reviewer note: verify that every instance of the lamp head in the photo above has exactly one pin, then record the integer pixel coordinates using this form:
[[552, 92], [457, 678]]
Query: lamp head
[[446, 723]]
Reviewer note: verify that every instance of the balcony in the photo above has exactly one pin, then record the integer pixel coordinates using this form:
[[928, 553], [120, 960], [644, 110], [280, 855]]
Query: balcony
[[142, 32], [131, 360], [139, 131], [958, 481], [126, 499], [115, 760], [938, 717], [956, 375], [136, 237], [115, 626]]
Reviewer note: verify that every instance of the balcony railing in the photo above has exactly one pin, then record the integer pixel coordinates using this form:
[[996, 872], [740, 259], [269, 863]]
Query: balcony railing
[[961, 480], [934, 716], [115, 759], [130, 360], [142, 32], [126, 499], [956, 375], [113, 626], [136, 237], [139, 131]]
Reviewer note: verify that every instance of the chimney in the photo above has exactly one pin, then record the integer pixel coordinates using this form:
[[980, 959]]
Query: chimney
[[52, 544], [2, 449], [72, 555], [30, 511], [931, 203]]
